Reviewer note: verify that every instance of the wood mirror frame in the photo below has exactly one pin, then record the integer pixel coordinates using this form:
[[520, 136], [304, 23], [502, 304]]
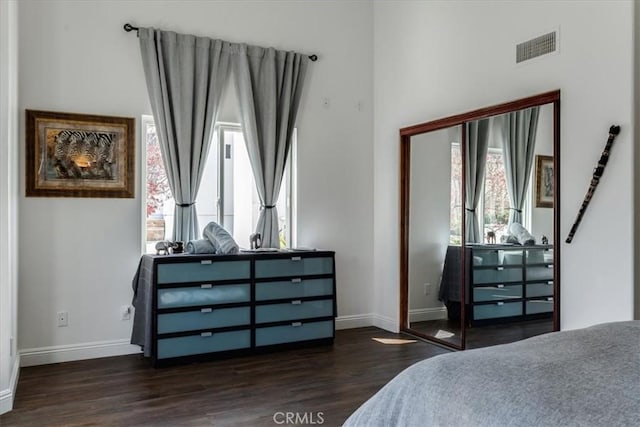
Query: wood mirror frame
[[406, 133]]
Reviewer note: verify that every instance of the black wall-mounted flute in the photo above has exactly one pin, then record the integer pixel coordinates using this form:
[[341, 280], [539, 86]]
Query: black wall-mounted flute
[[597, 173]]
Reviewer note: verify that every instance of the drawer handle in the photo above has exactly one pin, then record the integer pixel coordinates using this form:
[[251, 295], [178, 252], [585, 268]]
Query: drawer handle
[[550, 282], [206, 334], [298, 280], [550, 299], [500, 303], [499, 286], [296, 302], [206, 310], [296, 324], [205, 261], [296, 258], [550, 266], [499, 268], [206, 286]]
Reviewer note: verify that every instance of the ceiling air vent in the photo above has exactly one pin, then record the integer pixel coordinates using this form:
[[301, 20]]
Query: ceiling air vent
[[538, 46]]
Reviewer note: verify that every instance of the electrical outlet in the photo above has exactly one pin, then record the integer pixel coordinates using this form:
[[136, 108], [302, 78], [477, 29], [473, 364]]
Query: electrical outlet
[[125, 312], [427, 288], [63, 318]]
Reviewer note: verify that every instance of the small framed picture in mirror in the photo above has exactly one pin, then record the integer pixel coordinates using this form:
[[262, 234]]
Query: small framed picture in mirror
[[544, 181]]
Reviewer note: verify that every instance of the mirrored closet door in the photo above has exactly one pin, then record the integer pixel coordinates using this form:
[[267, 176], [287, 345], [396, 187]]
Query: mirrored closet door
[[479, 223]]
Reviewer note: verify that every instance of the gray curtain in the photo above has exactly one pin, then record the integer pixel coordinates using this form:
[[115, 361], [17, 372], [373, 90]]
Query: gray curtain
[[269, 84], [518, 141], [477, 145], [186, 77]]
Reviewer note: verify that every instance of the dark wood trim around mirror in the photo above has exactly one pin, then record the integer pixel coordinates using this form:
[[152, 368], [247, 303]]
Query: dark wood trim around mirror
[[406, 133]]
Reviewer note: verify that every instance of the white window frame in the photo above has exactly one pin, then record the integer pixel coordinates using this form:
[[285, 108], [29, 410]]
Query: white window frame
[[145, 120]]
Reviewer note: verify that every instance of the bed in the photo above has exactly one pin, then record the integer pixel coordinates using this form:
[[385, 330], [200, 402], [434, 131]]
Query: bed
[[585, 377]]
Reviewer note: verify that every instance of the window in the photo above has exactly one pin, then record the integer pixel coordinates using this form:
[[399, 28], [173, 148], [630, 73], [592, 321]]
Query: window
[[455, 218], [494, 203], [227, 193]]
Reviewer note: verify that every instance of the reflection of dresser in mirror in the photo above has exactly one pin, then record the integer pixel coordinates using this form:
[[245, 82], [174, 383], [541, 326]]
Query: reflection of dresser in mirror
[[504, 283]]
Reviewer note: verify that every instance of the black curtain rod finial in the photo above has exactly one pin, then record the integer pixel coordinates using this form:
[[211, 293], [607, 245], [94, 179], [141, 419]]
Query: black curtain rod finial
[[313, 58], [128, 28]]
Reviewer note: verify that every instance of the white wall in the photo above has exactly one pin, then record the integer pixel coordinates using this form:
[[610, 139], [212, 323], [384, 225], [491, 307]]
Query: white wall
[[79, 255], [433, 59], [9, 361]]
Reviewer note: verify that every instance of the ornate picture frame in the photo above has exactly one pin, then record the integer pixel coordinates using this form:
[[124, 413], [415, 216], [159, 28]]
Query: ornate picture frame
[[79, 155], [544, 181]]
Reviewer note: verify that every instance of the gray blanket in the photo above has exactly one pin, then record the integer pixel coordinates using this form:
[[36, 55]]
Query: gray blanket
[[585, 377], [141, 333]]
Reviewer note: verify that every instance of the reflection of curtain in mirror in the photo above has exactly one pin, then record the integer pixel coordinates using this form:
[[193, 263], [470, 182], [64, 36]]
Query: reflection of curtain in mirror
[[477, 145], [518, 141]]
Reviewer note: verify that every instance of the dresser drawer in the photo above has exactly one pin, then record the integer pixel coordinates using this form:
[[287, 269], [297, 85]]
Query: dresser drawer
[[294, 288], [498, 292], [297, 331], [203, 271], [206, 318], [512, 258], [497, 275], [293, 266], [540, 273], [489, 257], [540, 306], [538, 256], [293, 310], [492, 311], [205, 343], [205, 294], [540, 289]]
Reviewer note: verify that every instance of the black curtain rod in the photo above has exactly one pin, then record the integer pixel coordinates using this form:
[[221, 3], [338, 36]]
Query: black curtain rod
[[128, 28]]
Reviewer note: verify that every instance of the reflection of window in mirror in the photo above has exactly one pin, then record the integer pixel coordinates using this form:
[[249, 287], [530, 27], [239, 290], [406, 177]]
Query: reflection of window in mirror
[[494, 203], [455, 219]]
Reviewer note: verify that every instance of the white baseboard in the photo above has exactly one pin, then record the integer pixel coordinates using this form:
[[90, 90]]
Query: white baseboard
[[6, 401], [424, 314], [69, 353], [386, 323], [6, 396], [364, 320], [354, 321]]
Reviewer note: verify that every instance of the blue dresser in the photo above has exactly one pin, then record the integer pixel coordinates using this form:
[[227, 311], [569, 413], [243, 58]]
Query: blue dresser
[[203, 307], [508, 283]]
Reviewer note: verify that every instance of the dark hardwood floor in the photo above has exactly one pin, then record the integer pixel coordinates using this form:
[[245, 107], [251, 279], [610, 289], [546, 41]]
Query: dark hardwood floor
[[246, 391], [484, 336]]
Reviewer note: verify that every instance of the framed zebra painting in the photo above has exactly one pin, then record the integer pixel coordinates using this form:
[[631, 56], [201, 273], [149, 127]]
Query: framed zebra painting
[[79, 155]]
